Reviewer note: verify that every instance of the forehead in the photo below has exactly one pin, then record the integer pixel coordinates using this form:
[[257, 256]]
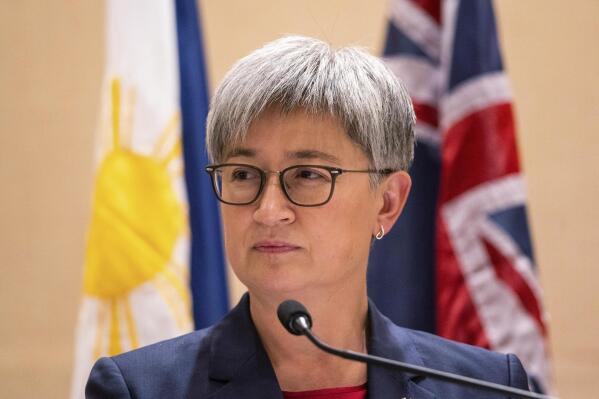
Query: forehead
[[297, 134]]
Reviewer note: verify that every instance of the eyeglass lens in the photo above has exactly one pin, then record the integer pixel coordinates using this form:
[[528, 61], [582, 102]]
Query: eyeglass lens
[[304, 185]]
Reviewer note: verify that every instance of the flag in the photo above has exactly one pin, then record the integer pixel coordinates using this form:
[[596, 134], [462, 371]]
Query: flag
[[154, 226], [460, 262], [208, 279]]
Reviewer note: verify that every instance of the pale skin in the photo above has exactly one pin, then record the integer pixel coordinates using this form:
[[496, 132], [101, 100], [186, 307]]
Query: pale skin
[[316, 255]]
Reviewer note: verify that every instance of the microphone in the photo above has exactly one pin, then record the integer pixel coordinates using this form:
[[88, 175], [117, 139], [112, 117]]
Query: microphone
[[297, 320], [294, 316]]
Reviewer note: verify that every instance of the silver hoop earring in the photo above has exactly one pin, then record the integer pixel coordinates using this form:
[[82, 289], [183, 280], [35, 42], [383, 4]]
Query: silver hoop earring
[[380, 234]]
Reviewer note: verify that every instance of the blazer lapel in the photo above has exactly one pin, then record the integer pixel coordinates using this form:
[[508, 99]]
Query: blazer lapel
[[390, 341], [239, 366], [253, 379]]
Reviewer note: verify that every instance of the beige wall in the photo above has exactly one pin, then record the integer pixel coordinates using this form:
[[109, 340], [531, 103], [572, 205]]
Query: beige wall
[[49, 84], [50, 77]]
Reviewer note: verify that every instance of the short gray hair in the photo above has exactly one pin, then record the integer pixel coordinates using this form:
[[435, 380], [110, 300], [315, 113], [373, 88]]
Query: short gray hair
[[299, 72]]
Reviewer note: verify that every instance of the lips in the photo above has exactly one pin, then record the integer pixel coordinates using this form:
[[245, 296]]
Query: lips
[[274, 247]]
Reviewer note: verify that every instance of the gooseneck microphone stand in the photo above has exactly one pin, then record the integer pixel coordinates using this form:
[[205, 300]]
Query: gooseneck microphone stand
[[296, 319]]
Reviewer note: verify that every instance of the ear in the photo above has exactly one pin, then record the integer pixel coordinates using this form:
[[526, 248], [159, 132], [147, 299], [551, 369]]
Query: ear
[[394, 192]]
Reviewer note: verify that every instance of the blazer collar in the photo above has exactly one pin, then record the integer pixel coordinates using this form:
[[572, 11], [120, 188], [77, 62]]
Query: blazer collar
[[393, 342], [239, 365]]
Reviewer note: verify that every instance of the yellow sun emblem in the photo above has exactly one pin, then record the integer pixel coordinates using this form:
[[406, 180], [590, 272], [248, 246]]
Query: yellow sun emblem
[[136, 221]]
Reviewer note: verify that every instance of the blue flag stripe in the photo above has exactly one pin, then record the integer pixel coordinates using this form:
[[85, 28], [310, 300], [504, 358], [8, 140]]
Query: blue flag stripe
[[401, 271], [399, 43], [475, 46], [208, 279], [514, 221]]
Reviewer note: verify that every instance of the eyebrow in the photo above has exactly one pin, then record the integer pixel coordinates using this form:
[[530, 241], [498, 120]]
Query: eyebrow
[[300, 154], [241, 152], [313, 154]]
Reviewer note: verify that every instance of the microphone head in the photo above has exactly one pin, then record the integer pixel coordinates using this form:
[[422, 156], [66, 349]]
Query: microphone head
[[289, 311]]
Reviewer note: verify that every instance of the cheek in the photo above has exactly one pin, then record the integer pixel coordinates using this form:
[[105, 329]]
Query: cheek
[[342, 235], [234, 229]]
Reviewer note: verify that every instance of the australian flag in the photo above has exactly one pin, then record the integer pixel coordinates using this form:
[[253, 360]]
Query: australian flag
[[460, 262]]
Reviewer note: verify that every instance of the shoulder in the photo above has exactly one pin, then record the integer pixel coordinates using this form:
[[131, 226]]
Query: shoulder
[[428, 350], [168, 353], [468, 360], [187, 366], [163, 369]]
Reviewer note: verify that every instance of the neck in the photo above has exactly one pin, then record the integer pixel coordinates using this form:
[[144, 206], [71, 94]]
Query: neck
[[339, 320]]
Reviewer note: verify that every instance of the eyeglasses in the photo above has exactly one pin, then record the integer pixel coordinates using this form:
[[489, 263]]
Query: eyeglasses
[[303, 185]]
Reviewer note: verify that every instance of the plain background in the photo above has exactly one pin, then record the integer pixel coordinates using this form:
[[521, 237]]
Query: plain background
[[50, 83]]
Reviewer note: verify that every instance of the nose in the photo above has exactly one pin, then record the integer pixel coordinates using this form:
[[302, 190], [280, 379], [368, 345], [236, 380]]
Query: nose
[[273, 206]]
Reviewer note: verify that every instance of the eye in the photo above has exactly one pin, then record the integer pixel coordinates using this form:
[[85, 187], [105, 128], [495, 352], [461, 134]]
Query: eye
[[242, 174], [311, 174]]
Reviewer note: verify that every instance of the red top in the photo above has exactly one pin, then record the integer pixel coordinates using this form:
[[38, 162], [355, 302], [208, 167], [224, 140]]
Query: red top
[[358, 392]]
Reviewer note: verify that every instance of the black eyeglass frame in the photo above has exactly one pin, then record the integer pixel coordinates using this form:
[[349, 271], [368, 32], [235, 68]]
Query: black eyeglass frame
[[333, 171]]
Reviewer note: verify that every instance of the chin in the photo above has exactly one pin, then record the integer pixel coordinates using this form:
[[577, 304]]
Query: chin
[[277, 281]]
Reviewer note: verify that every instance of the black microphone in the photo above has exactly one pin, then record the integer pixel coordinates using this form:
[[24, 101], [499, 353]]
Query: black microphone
[[296, 319], [294, 316]]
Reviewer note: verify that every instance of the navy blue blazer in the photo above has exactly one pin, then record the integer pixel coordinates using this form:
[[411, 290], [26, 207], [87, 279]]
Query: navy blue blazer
[[228, 361]]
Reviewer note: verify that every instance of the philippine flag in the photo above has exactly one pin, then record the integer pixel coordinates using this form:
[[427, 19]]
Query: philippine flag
[[155, 227]]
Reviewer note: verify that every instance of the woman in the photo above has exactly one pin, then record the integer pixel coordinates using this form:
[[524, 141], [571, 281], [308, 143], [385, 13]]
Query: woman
[[310, 148]]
